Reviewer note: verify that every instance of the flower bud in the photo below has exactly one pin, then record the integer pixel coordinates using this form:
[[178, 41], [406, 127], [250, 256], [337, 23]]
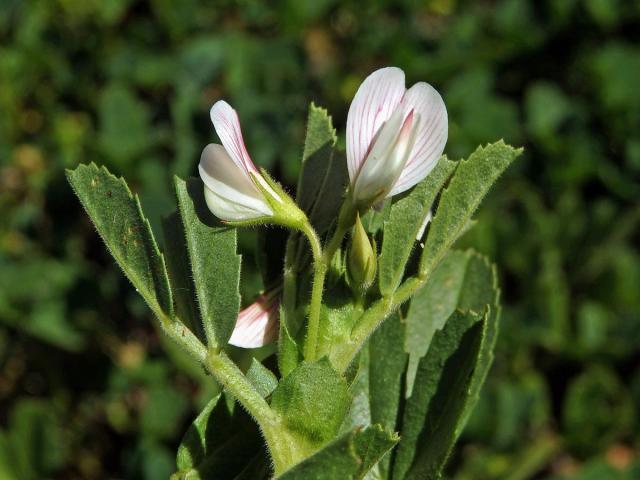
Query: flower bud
[[257, 325], [361, 258], [234, 189]]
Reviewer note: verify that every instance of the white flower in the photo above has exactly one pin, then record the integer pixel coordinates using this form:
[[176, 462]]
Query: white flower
[[257, 325], [395, 136], [230, 177]]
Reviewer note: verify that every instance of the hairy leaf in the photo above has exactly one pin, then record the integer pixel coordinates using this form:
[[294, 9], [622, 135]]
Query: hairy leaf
[[471, 181], [440, 396], [349, 457], [180, 273], [118, 217], [198, 438], [219, 443], [214, 263], [262, 378], [324, 175], [288, 352], [463, 280], [403, 225], [387, 364], [313, 401]]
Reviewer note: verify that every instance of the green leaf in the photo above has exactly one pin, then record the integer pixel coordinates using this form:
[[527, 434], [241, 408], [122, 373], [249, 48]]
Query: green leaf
[[313, 401], [403, 225], [118, 217], [463, 280], [193, 447], [360, 411], [440, 396], [180, 273], [217, 443], [387, 364], [337, 316], [471, 181], [214, 263], [262, 378], [324, 176], [289, 354], [351, 456]]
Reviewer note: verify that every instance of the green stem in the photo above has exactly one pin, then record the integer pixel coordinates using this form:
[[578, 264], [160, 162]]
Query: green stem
[[277, 438], [227, 373], [319, 273], [282, 447], [289, 277], [183, 336], [374, 316], [222, 368], [321, 263]]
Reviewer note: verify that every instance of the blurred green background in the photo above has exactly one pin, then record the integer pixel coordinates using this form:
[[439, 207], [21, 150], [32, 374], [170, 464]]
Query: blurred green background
[[87, 388]]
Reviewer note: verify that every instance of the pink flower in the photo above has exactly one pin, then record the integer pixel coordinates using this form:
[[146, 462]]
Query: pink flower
[[230, 177], [257, 325], [395, 136]]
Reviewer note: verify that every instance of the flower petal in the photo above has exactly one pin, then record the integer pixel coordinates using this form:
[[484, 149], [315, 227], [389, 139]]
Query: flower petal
[[431, 135], [227, 124], [257, 325], [373, 104], [230, 193], [386, 158]]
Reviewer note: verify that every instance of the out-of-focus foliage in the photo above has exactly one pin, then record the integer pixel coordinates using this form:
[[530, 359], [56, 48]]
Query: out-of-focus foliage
[[84, 378]]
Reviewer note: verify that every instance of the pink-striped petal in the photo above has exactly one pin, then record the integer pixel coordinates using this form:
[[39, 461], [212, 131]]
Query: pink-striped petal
[[229, 190], [257, 325], [431, 136], [225, 121], [373, 104]]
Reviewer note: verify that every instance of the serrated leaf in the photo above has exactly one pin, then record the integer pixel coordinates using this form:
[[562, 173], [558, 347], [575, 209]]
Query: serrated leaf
[[215, 265], [324, 176], [463, 280], [197, 439], [261, 378], [217, 444], [180, 274], [403, 225], [387, 364], [313, 401], [440, 396], [471, 181], [118, 217], [349, 457]]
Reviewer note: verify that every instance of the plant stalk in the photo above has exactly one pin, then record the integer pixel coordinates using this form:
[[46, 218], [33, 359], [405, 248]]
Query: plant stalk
[[319, 273]]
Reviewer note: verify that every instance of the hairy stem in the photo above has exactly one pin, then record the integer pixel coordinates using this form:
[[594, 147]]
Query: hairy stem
[[282, 447], [375, 315], [319, 272], [289, 278], [227, 373]]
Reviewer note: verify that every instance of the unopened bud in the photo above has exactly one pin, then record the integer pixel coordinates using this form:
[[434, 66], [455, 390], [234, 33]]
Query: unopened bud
[[361, 258]]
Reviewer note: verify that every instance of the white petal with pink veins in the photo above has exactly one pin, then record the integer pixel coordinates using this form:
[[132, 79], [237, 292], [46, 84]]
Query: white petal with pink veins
[[257, 325], [229, 191], [227, 124], [373, 104], [431, 136], [387, 157]]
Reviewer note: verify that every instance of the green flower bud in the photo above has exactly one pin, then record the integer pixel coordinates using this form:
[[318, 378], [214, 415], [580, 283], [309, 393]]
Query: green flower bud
[[361, 258]]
